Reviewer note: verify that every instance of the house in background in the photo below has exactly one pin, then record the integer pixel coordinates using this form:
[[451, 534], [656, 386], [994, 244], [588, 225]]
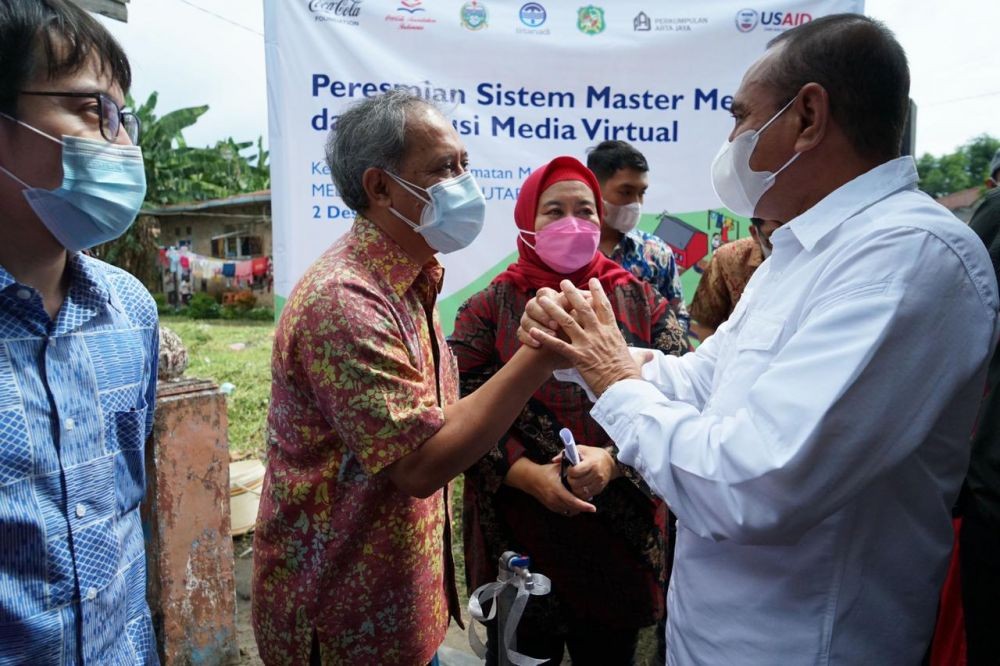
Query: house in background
[[232, 229], [114, 9], [962, 203]]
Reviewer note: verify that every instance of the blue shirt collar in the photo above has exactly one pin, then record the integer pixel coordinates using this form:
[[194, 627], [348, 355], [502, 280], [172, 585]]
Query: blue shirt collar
[[85, 278]]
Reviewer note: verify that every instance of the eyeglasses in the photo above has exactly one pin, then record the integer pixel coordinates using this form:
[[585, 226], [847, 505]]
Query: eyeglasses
[[113, 119]]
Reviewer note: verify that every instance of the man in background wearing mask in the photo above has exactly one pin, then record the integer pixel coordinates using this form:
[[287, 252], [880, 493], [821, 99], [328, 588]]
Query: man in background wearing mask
[[352, 553], [979, 504], [728, 272], [78, 347], [813, 447], [623, 174]]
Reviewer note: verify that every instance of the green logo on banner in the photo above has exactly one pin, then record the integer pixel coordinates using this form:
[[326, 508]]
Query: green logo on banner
[[590, 20], [474, 15]]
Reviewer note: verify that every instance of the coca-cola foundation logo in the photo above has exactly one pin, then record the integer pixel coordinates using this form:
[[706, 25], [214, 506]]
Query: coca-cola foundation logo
[[337, 11]]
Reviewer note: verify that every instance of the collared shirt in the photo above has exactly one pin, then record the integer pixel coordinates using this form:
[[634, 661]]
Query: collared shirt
[[813, 447], [76, 406], [361, 376], [722, 285], [650, 259]]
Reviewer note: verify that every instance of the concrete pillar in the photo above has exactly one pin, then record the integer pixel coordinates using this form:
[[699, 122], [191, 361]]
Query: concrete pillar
[[189, 553]]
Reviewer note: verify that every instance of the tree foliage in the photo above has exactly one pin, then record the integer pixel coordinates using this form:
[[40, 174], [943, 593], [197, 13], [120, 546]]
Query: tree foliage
[[179, 173], [962, 169]]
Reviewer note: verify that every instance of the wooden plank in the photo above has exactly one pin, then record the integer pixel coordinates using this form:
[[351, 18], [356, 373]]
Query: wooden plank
[[114, 9]]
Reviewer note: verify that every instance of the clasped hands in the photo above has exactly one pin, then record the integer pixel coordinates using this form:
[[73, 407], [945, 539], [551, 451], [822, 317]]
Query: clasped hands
[[596, 469], [579, 327]]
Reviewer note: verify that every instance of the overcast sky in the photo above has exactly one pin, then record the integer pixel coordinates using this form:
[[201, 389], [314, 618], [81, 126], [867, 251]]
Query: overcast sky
[[212, 52]]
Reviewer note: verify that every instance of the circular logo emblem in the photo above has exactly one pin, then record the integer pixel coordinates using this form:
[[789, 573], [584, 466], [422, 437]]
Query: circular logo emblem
[[474, 15], [532, 14], [590, 20], [746, 19]]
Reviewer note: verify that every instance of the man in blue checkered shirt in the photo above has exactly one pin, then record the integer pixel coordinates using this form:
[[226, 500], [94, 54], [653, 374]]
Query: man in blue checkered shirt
[[78, 347], [623, 174]]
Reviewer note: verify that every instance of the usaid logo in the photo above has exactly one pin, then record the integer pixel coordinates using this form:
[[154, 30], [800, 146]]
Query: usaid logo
[[747, 19]]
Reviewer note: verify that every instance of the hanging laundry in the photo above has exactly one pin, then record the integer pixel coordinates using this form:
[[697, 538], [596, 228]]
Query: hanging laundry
[[174, 259], [244, 270]]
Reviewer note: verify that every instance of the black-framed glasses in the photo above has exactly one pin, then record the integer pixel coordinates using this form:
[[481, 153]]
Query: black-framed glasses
[[113, 119]]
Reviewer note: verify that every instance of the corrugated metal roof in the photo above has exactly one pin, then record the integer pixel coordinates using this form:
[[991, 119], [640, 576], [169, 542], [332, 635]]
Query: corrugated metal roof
[[115, 9], [961, 199], [263, 196]]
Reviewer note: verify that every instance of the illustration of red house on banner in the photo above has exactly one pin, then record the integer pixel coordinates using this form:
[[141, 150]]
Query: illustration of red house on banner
[[688, 243]]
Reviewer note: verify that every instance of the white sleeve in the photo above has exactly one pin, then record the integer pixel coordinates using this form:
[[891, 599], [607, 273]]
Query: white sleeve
[[856, 388], [686, 378]]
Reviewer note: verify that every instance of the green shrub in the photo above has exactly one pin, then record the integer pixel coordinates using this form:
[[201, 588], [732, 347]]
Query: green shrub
[[260, 314], [233, 312], [203, 306], [162, 307], [244, 300]]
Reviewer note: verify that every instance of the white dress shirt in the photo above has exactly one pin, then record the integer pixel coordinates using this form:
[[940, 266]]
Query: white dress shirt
[[812, 447]]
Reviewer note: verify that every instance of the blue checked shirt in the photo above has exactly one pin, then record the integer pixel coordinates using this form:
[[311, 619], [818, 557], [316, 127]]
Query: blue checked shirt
[[650, 259], [76, 406]]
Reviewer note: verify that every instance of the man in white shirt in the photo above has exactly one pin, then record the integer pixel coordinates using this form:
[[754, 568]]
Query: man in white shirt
[[813, 447]]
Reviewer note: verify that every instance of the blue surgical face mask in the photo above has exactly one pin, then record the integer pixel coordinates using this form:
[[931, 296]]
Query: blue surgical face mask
[[102, 191], [454, 214]]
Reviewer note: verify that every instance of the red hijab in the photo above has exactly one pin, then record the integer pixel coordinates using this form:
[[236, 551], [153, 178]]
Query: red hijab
[[530, 272]]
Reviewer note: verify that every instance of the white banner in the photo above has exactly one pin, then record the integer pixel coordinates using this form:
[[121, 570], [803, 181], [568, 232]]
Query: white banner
[[523, 83]]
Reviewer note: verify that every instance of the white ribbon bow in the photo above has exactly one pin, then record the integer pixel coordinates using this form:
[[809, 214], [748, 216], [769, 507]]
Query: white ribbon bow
[[490, 592]]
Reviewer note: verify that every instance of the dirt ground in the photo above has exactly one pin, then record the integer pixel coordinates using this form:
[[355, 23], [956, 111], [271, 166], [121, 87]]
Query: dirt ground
[[454, 652]]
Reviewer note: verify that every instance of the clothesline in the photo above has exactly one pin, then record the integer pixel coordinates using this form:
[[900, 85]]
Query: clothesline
[[181, 260]]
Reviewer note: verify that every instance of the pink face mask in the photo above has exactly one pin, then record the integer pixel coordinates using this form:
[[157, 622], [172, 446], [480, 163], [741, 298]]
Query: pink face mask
[[566, 245]]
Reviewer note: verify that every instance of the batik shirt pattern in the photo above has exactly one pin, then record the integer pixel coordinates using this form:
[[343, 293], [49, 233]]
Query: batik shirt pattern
[[592, 559], [361, 374], [722, 285], [76, 407], [650, 259]]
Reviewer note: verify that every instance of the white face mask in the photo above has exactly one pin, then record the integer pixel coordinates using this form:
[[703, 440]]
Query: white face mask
[[622, 218], [737, 185], [764, 249]]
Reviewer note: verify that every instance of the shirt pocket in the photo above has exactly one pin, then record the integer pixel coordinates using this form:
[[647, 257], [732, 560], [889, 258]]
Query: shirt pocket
[[120, 366], [759, 334], [124, 418], [756, 342]]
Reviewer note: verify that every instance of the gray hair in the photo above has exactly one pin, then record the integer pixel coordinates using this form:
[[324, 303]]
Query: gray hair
[[371, 133]]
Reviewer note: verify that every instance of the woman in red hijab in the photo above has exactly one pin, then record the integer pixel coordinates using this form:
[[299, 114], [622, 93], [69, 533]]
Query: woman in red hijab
[[601, 539]]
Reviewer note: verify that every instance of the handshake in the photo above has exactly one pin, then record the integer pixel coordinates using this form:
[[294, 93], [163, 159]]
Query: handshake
[[578, 329]]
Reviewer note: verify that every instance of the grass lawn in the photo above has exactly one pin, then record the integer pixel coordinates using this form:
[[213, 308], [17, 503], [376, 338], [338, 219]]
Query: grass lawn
[[249, 369]]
